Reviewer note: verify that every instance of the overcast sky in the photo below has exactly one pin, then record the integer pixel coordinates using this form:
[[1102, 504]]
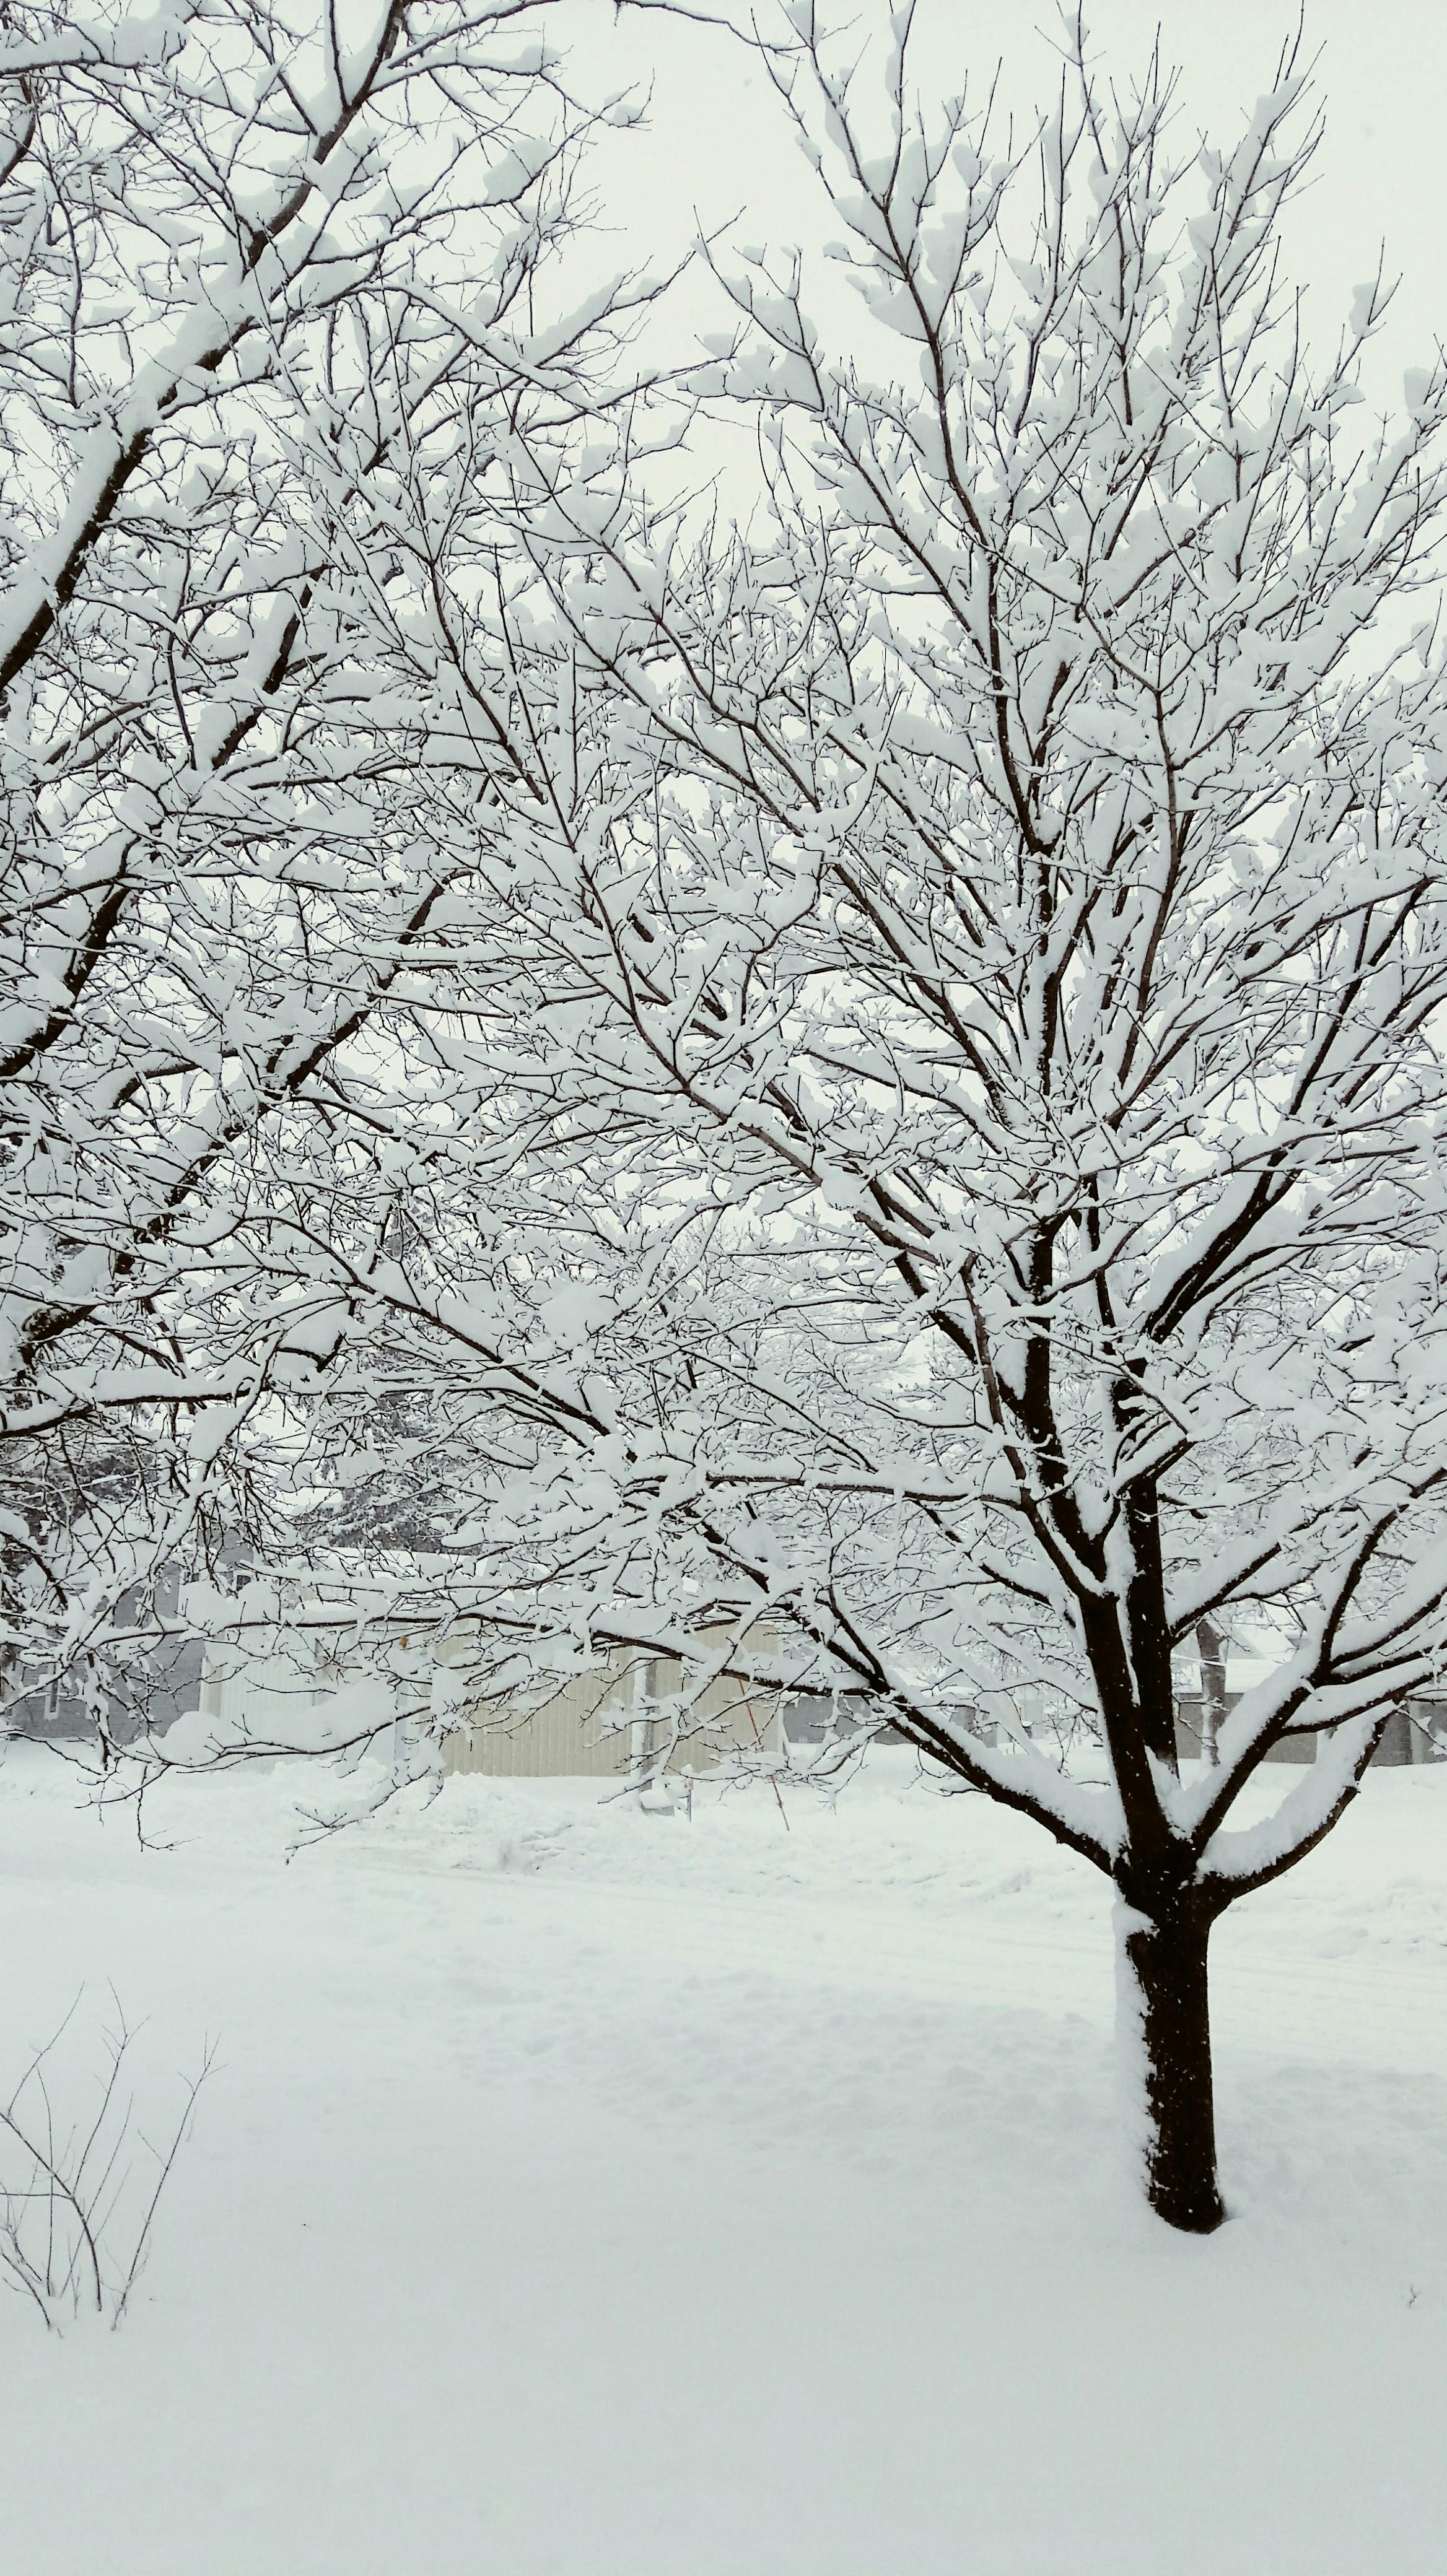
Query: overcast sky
[[716, 141]]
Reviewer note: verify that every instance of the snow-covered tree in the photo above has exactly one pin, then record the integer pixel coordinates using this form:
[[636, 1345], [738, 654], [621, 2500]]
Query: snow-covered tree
[[933, 1173], [261, 267]]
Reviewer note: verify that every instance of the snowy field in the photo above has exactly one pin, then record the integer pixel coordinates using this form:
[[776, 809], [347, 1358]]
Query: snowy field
[[615, 2196]]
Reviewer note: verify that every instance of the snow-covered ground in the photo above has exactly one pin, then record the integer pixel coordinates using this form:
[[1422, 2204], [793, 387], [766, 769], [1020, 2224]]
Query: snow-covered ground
[[595, 2194]]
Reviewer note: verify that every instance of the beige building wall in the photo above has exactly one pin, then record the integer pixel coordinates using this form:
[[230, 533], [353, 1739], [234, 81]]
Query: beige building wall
[[595, 1727]]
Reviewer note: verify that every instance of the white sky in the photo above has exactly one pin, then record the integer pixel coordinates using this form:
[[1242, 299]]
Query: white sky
[[717, 141]]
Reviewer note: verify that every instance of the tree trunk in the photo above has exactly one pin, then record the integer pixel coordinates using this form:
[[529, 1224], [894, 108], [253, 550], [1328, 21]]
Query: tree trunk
[[1166, 2033]]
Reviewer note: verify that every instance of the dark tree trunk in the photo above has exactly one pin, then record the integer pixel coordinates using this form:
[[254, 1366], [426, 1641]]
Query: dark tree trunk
[[1167, 2034]]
